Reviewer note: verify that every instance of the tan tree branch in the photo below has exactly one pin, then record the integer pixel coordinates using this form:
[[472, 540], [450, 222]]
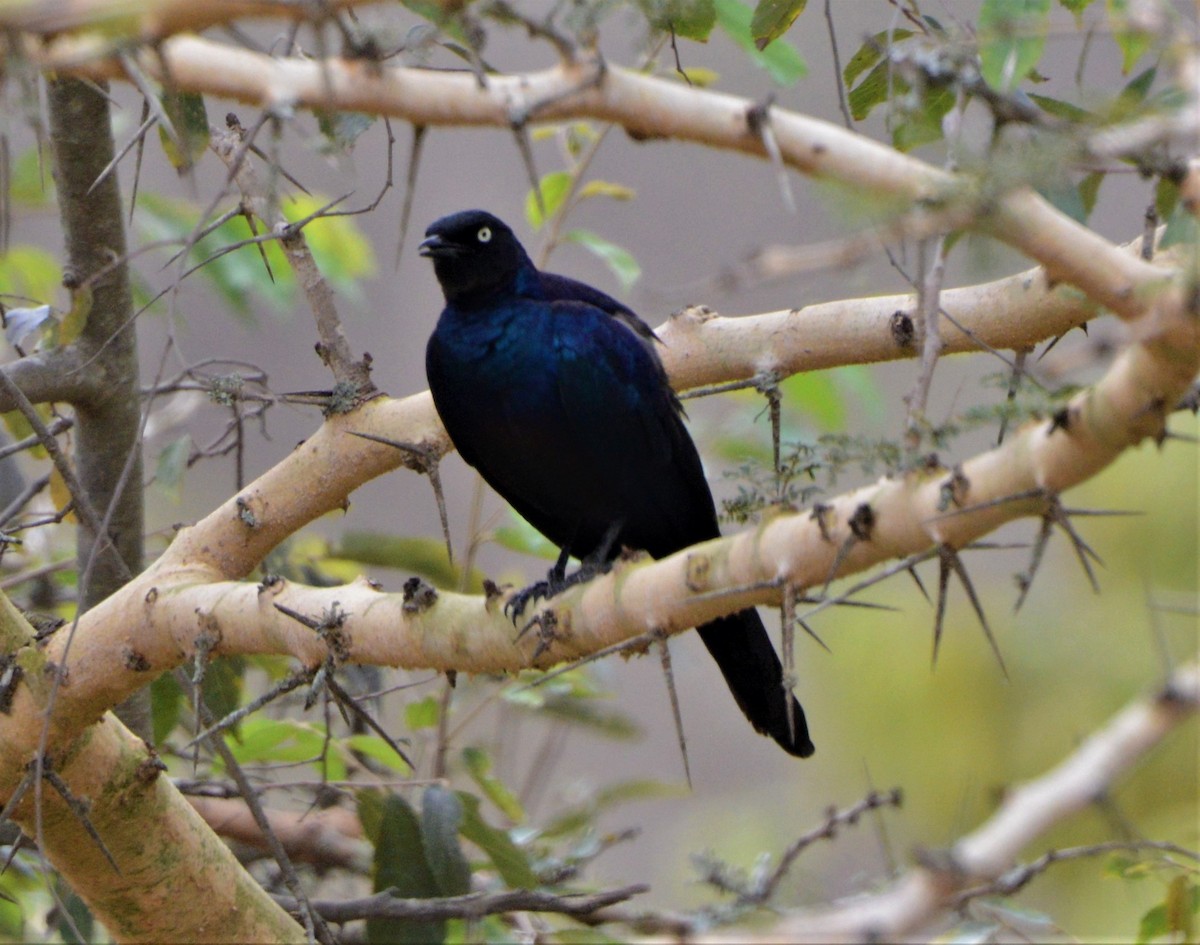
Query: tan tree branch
[[926, 892], [647, 107]]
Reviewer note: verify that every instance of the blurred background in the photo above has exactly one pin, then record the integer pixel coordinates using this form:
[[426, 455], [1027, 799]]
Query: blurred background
[[954, 735]]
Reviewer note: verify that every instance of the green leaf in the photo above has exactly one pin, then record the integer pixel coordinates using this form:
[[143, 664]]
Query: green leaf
[[369, 803], [1061, 109], [554, 188], [166, 706], [187, 139], [340, 248], [172, 461], [1166, 195], [924, 125], [773, 18], [479, 766], [520, 536], [28, 274], [422, 555], [1181, 228], [871, 91], [510, 860], [423, 713], [815, 393], [780, 60], [401, 865], [1089, 191], [375, 747], [342, 129], [441, 816], [604, 188], [620, 261], [222, 684], [30, 183], [691, 19], [1012, 36], [870, 52], [1131, 40], [1076, 6]]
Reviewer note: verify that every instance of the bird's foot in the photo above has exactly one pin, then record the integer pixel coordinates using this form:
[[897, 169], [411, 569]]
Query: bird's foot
[[557, 581]]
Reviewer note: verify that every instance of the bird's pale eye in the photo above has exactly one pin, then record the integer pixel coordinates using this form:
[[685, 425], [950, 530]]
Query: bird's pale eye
[[484, 234]]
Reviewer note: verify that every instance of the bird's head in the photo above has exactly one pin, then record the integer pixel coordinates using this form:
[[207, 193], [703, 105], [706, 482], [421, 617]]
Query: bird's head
[[475, 255]]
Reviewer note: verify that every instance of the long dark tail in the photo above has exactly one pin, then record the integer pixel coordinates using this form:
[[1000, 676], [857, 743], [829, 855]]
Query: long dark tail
[[741, 647]]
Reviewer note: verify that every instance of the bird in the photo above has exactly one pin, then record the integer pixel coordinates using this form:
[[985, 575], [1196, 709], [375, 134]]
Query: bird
[[555, 393]]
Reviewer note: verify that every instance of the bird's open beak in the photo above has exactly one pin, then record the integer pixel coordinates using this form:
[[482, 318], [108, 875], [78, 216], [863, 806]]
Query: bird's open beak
[[437, 246]]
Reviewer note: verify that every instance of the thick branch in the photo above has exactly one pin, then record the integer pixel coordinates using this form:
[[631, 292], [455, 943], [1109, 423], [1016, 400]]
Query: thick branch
[[647, 107], [55, 376]]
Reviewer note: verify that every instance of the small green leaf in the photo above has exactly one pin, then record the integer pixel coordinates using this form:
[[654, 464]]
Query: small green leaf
[[372, 746], [871, 91], [1061, 109], [871, 51], [1181, 228], [166, 706], [1089, 191], [780, 60], [510, 860], [342, 129], [441, 816], [28, 274], [75, 320], [30, 183], [619, 260], [604, 188], [479, 766], [189, 124], [1012, 36], [520, 536], [172, 461], [222, 685], [612, 723], [923, 125], [369, 803], [1133, 41], [419, 554], [699, 76], [400, 864], [1166, 195], [423, 713], [773, 18], [1076, 6], [554, 188], [691, 19]]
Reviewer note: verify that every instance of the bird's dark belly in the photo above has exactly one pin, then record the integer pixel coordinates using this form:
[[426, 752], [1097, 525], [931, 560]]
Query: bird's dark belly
[[502, 410]]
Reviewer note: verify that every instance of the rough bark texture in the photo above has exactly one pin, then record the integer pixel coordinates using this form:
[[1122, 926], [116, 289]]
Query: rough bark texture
[[106, 430]]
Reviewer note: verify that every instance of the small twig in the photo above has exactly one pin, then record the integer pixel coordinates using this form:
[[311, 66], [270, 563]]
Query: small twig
[[471, 906], [664, 653]]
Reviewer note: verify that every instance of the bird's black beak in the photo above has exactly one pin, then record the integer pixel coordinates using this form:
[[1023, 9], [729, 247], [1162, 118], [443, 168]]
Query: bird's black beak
[[434, 246]]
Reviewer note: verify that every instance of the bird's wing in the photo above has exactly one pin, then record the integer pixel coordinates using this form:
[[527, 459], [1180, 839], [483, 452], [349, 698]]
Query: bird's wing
[[635, 454]]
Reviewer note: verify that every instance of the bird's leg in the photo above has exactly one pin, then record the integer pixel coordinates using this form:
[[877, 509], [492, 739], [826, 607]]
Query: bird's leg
[[596, 563]]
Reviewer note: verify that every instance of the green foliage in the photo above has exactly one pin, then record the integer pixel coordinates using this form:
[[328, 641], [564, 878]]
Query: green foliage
[[1012, 37], [780, 60], [620, 261], [510, 861], [773, 18], [1174, 918], [421, 554], [479, 766], [691, 19], [339, 248], [1133, 41], [401, 866], [187, 138]]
